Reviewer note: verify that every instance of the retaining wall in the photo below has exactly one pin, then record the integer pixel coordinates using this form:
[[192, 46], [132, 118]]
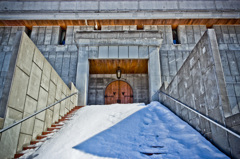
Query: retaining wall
[[200, 84], [31, 85]]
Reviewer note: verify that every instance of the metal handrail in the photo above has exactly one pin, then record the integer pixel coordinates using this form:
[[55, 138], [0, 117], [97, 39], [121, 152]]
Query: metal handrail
[[22, 120], [205, 117]]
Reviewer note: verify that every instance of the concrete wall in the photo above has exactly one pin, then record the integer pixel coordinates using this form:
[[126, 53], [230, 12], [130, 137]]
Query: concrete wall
[[200, 84], [63, 58], [228, 38], [172, 56], [99, 82], [116, 9], [123, 42], [7, 35], [34, 85]]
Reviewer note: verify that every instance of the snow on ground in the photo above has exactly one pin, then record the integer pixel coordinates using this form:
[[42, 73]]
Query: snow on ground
[[127, 131]]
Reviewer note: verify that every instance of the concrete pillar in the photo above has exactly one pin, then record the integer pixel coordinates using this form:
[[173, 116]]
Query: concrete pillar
[[82, 76], [154, 73]]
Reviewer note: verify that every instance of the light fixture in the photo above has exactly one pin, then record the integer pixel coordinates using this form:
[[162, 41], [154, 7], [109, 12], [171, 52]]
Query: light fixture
[[118, 73]]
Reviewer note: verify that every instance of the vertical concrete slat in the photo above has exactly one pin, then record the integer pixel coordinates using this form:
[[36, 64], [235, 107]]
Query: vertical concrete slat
[[41, 35], [56, 35], [65, 67], [189, 32], [82, 75], [6, 35], [197, 33], [225, 33], [154, 73], [232, 34], [1, 34], [48, 35], [69, 35], [182, 34], [34, 34]]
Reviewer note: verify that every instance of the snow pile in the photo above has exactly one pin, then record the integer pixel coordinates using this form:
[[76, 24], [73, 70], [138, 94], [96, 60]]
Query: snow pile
[[127, 131]]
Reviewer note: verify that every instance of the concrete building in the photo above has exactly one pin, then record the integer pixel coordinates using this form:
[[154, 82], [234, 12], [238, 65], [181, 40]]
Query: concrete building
[[187, 49]]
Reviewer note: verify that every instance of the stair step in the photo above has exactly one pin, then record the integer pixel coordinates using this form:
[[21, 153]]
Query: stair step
[[29, 147], [57, 125], [47, 132], [18, 155], [53, 128], [41, 137]]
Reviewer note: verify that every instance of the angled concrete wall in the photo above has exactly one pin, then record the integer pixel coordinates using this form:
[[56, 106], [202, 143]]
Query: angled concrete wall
[[228, 38], [33, 86], [200, 84]]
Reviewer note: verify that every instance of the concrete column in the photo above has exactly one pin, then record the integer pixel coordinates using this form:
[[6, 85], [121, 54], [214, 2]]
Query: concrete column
[[154, 73], [82, 76]]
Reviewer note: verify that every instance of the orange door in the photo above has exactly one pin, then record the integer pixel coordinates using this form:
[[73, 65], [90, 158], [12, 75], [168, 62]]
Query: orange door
[[118, 92]]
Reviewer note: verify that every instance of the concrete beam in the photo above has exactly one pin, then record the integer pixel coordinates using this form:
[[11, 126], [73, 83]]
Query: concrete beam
[[122, 15]]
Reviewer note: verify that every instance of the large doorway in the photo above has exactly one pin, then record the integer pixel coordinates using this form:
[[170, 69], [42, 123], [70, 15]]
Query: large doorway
[[118, 92]]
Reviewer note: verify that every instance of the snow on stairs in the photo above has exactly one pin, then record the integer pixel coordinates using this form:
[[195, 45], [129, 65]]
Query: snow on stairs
[[50, 131]]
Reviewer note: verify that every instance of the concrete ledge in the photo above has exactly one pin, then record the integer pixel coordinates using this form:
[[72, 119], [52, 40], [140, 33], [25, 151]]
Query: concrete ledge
[[119, 15], [104, 42]]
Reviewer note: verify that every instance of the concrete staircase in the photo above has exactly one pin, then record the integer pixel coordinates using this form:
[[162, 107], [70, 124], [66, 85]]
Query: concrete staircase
[[47, 134]]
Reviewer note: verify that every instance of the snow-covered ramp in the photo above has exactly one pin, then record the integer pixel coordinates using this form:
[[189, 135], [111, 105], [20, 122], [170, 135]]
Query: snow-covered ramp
[[125, 131]]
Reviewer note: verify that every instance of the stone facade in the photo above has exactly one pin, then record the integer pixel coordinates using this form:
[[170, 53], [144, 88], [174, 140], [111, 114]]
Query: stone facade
[[34, 84], [201, 85]]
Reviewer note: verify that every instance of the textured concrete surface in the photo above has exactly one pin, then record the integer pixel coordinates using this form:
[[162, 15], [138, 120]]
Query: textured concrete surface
[[200, 84], [63, 58], [117, 44], [227, 37], [33, 88], [172, 56], [129, 9], [7, 37]]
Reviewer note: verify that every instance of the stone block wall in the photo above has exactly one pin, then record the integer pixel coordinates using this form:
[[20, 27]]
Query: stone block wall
[[7, 35], [228, 38], [34, 85], [200, 84], [99, 82], [172, 56], [63, 58]]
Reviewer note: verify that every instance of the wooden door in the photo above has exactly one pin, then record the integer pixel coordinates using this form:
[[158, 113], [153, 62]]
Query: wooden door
[[118, 92]]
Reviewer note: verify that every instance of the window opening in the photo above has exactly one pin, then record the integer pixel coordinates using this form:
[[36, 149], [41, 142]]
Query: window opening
[[175, 36], [63, 37], [29, 32]]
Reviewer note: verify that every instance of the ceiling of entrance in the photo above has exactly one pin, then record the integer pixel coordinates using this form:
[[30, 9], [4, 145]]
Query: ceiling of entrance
[[127, 66]]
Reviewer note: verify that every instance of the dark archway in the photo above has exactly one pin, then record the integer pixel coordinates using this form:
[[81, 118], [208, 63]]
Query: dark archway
[[118, 92]]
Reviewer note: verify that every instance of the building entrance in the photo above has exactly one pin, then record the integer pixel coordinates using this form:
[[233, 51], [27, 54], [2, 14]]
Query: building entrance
[[118, 92]]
